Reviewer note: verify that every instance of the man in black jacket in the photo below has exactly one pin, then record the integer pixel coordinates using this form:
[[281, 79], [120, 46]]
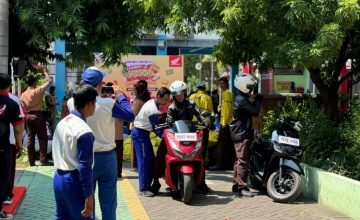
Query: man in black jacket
[[241, 130], [180, 109]]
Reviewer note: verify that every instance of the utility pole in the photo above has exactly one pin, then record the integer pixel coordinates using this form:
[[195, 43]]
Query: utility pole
[[212, 75], [200, 69]]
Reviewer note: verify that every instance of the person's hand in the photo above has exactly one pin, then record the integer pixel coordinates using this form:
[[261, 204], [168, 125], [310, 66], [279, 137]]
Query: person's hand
[[117, 90], [19, 152], [258, 97], [219, 108], [87, 212], [207, 124], [224, 126]]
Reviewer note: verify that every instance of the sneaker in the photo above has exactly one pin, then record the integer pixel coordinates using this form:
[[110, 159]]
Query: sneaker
[[155, 187], [8, 201], [5, 216], [245, 192], [146, 193]]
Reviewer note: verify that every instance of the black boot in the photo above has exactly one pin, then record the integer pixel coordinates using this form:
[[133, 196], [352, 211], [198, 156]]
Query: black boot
[[235, 187], [155, 187], [203, 188]]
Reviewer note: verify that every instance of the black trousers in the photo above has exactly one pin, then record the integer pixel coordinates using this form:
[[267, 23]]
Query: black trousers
[[225, 152], [4, 172]]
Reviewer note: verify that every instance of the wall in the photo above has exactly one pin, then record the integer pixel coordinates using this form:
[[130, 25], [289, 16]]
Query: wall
[[270, 100], [335, 191], [300, 81]]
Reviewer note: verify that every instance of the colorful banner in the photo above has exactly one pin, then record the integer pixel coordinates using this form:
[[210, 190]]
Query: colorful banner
[[158, 71], [283, 85]]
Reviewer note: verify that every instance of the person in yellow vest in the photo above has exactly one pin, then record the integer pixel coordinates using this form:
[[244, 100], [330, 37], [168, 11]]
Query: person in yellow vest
[[204, 102], [225, 151]]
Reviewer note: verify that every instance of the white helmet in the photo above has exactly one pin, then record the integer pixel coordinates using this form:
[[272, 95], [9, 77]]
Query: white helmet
[[245, 82], [177, 88]]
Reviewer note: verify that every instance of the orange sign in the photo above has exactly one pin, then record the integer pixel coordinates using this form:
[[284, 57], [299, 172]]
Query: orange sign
[[158, 71]]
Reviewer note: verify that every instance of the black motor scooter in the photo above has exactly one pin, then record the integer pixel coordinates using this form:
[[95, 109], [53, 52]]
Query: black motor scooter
[[275, 161]]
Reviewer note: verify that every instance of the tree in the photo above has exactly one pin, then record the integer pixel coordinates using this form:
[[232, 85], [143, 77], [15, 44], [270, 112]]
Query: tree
[[316, 35], [4, 35], [87, 26]]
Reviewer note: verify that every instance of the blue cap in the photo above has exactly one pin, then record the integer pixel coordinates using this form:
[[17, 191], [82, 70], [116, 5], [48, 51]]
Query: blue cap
[[201, 84], [93, 76]]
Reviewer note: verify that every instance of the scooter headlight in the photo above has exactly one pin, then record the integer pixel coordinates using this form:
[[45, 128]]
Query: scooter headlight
[[183, 155]]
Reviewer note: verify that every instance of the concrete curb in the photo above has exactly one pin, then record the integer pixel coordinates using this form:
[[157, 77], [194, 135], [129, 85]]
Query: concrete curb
[[335, 191]]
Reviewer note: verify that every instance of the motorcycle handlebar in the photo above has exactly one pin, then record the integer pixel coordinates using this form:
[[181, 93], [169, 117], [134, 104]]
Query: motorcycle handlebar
[[161, 126]]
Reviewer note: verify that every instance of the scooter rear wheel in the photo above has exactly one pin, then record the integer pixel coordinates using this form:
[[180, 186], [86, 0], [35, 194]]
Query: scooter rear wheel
[[287, 191], [186, 187]]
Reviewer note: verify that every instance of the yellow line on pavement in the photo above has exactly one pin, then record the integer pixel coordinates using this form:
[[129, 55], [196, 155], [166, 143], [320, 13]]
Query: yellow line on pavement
[[132, 200]]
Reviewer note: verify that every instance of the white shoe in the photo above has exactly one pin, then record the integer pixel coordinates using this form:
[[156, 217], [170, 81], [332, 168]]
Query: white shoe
[[8, 201], [5, 216]]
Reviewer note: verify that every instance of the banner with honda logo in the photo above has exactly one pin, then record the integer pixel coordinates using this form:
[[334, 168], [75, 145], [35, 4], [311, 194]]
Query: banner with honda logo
[[158, 71], [175, 61]]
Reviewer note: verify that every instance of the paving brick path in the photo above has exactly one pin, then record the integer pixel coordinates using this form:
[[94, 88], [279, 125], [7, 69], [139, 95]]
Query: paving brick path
[[221, 204]]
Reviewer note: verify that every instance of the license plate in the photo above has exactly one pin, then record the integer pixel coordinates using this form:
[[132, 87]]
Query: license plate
[[289, 141], [185, 137]]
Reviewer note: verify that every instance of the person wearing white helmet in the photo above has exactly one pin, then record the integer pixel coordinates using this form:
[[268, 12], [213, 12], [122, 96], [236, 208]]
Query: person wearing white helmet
[[180, 109], [241, 130]]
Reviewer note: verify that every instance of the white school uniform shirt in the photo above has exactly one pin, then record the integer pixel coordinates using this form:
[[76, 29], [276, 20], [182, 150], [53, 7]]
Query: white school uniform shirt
[[66, 136], [142, 120], [102, 123]]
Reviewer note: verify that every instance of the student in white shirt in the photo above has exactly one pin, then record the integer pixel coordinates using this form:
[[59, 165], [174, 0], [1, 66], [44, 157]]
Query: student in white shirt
[[144, 123], [73, 158]]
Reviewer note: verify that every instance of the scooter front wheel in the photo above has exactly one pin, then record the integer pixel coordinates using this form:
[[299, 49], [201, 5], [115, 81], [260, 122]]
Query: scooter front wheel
[[285, 189], [186, 187]]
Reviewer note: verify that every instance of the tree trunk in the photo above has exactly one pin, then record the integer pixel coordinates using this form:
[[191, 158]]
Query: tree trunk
[[4, 35], [328, 94]]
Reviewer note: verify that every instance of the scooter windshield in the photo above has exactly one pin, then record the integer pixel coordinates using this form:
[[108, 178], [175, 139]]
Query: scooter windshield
[[184, 126]]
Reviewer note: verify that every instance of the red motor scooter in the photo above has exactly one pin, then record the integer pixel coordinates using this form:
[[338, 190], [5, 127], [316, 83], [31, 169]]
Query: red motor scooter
[[184, 162]]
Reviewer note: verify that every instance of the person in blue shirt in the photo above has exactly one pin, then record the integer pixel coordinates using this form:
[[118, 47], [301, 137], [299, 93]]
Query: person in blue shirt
[[73, 158], [144, 123], [102, 123]]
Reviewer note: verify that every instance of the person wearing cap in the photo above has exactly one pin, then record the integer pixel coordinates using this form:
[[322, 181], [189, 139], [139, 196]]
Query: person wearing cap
[[102, 123], [225, 153], [204, 102]]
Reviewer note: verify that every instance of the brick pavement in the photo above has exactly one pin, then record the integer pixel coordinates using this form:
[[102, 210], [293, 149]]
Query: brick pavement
[[39, 201]]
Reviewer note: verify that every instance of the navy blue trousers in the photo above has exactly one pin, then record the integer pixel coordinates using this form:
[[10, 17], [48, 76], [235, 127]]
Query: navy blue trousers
[[105, 175], [145, 157], [69, 195]]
